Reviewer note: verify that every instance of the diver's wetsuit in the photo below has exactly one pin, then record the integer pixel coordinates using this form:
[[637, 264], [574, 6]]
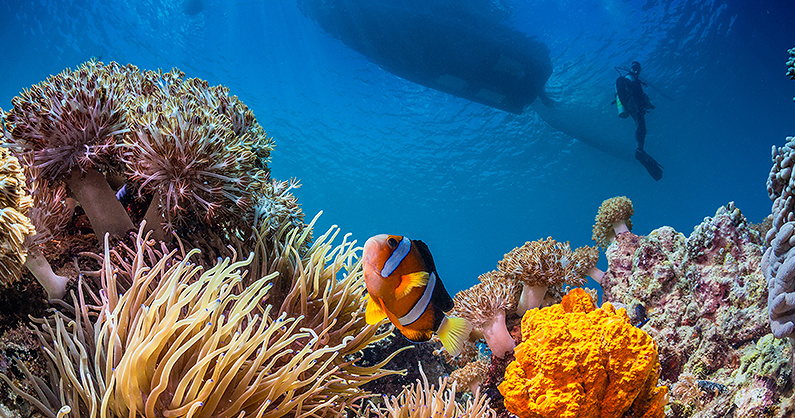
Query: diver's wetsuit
[[630, 92], [636, 101]]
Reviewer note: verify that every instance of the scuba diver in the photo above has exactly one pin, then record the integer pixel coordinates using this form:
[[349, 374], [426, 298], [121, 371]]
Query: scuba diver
[[631, 100]]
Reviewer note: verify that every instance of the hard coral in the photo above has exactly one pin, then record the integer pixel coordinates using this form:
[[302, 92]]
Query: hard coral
[[484, 305], [778, 262], [14, 223], [579, 361], [539, 265], [71, 123], [612, 219]]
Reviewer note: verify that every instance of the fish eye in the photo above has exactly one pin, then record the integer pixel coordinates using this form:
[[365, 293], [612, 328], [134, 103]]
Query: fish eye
[[392, 242]]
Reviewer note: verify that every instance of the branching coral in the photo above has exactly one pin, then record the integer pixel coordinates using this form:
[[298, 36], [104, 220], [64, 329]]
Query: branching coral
[[14, 223], [579, 361], [423, 400], [184, 341], [71, 123], [612, 219], [197, 150], [484, 305], [778, 262], [538, 265]]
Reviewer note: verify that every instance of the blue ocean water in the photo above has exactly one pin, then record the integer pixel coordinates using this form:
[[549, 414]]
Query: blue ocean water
[[379, 154]]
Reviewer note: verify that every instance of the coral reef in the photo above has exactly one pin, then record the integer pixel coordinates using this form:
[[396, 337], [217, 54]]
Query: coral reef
[[612, 219], [579, 361], [155, 327], [705, 297]]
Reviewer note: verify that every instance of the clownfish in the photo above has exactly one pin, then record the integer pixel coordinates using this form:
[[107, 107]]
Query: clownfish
[[403, 285]]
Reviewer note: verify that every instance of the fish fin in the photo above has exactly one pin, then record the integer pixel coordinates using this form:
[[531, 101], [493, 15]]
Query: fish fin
[[410, 281], [454, 332], [416, 336], [374, 313]]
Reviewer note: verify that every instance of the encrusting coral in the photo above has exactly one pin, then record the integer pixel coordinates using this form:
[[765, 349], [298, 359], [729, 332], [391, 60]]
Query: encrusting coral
[[15, 225], [705, 298], [540, 265], [778, 262], [579, 361], [484, 305], [612, 219]]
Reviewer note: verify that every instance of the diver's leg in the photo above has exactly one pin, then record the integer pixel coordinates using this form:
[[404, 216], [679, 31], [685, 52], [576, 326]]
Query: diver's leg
[[640, 131]]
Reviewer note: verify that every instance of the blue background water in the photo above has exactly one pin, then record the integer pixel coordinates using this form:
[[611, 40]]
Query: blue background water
[[379, 154]]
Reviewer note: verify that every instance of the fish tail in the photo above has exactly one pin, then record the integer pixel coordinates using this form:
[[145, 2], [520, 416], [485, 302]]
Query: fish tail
[[454, 332]]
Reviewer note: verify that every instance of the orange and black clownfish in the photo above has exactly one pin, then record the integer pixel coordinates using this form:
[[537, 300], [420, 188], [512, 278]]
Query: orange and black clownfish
[[403, 286]]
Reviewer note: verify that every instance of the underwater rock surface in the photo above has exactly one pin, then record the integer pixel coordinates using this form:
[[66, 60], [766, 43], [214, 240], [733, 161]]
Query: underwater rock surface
[[706, 301]]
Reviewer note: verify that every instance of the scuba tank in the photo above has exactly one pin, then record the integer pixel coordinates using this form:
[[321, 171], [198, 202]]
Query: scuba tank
[[622, 111]]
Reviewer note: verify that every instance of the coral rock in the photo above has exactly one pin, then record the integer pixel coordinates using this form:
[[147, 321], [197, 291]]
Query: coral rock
[[705, 298], [578, 361]]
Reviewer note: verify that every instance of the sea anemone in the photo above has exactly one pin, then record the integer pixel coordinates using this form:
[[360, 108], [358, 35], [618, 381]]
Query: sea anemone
[[538, 265], [484, 305], [187, 341], [15, 226], [71, 122], [423, 400], [612, 219]]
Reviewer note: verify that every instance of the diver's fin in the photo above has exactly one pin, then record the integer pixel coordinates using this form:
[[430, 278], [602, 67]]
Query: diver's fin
[[454, 332], [374, 314], [652, 166], [410, 281]]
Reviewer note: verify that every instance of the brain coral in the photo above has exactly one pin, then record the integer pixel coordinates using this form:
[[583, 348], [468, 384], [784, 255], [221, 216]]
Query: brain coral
[[578, 361]]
